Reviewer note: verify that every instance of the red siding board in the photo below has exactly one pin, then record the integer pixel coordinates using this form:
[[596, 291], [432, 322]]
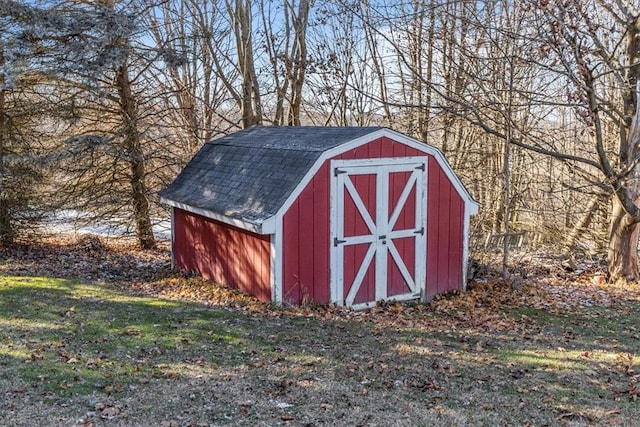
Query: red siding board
[[455, 241], [223, 253], [291, 262], [352, 257], [355, 225], [321, 235], [306, 245], [444, 210], [386, 150], [433, 223]]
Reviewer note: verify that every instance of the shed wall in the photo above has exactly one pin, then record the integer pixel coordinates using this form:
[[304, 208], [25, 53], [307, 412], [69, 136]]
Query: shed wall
[[445, 228], [306, 230], [223, 253]]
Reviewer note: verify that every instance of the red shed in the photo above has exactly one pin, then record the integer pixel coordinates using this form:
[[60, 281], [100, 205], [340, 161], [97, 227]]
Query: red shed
[[345, 215]]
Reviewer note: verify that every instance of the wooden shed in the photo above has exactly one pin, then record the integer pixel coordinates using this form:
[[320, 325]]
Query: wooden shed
[[345, 215]]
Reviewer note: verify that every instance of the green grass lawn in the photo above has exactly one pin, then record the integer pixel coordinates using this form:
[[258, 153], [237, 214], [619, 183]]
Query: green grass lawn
[[73, 353]]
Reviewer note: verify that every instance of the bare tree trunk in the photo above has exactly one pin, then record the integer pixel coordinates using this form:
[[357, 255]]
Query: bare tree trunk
[[426, 119], [623, 245], [623, 234], [377, 60], [299, 60], [251, 104], [6, 230], [135, 156]]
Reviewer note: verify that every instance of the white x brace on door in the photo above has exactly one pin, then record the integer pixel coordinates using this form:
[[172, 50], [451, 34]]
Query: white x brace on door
[[378, 223]]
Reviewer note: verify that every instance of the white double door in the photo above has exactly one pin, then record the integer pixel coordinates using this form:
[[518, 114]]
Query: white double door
[[378, 224]]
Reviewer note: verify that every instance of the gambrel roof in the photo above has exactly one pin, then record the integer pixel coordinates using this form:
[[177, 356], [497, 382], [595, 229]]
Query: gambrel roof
[[247, 177], [249, 174]]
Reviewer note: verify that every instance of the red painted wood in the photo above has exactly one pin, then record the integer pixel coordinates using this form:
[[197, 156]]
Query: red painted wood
[[443, 197], [353, 255], [406, 220], [306, 231], [367, 291], [306, 243], [223, 253], [395, 281], [355, 225], [291, 263], [445, 218], [306, 247], [386, 149], [397, 284], [456, 230], [375, 148], [321, 235], [433, 224]]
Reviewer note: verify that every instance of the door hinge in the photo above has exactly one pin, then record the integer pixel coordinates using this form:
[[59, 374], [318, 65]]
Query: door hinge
[[337, 241], [337, 172], [421, 231], [421, 167]]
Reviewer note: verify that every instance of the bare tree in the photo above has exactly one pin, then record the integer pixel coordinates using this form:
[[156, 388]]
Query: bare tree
[[285, 43], [248, 97], [489, 79], [186, 33]]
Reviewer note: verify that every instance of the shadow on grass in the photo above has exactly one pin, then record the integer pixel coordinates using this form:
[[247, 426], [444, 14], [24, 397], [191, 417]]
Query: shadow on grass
[[73, 337], [67, 338]]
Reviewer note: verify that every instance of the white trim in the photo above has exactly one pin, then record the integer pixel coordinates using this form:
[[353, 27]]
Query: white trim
[[421, 241], [372, 165], [382, 217], [465, 249], [402, 200], [380, 240], [246, 225], [336, 229], [362, 271], [277, 255], [333, 261], [357, 200]]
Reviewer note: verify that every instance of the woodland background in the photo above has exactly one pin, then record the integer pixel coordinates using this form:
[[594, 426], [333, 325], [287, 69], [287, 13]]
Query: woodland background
[[533, 102]]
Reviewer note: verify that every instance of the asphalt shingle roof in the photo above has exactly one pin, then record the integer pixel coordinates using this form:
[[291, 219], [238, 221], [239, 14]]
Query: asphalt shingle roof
[[249, 174]]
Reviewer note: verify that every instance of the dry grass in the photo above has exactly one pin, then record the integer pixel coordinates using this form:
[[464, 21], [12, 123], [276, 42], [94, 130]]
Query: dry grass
[[122, 345]]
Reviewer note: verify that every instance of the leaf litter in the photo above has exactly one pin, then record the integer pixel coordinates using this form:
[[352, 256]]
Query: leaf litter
[[444, 342]]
